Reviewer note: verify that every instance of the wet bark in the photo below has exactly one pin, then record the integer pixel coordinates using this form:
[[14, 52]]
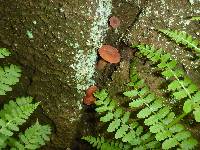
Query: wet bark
[[55, 42]]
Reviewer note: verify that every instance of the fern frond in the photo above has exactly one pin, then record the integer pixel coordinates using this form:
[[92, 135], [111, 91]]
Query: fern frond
[[161, 120], [181, 86], [33, 138], [181, 37], [195, 18], [4, 52], [103, 144], [119, 120], [9, 75], [13, 115]]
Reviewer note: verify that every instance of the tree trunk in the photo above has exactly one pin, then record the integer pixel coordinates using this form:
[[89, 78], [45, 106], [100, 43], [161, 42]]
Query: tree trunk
[[58, 40]]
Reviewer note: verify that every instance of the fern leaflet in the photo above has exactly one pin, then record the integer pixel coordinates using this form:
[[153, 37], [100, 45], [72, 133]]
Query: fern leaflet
[[13, 115], [4, 52], [32, 138], [181, 87], [9, 75], [161, 120], [183, 38]]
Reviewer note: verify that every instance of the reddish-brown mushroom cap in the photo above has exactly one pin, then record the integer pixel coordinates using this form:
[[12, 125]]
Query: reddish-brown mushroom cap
[[91, 90], [109, 54], [114, 22], [89, 100]]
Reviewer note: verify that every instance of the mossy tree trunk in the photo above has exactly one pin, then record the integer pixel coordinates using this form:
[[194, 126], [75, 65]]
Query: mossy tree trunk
[[58, 41]]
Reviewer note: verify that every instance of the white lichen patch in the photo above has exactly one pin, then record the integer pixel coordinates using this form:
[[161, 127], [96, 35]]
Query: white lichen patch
[[84, 61]]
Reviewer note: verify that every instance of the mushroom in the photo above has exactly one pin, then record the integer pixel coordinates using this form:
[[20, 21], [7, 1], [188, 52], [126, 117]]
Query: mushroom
[[89, 99], [90, 91], [114, 22], [109, 54], [101, 64]]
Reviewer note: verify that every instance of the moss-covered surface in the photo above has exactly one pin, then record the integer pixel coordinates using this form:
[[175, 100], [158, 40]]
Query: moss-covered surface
[[55, 42]]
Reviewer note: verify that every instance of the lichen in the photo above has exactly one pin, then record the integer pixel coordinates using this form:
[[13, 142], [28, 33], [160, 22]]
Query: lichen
[[84, 63]]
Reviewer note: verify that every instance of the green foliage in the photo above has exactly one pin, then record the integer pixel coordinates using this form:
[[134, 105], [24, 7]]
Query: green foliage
[[9, 75], [32, 138], [160, 118], [4, 52], [195, 18], [181, 87], [103, 144], [150, 123], [181, 37], [15, 113]]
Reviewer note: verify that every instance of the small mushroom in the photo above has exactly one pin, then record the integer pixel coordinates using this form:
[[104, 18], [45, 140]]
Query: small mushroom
[[114, 22], [90, 91], [89, 99], [101, 64], [109, 54]]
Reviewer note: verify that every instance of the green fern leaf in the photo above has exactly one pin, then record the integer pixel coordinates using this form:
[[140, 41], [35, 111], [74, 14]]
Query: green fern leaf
[[4, 52], [144, 113], [136, 103], [103, 144], [176, 128], [169, 143], [195, 18], [160, 136], [121, 131], [182, 38], [157, 128], [14, 114], [189, 144], [118, 112], [188, 106], [125, 117], [174, 85], [129, 136], [196, 113], [180, 94], [36, 135], [108, 117], [181, 136], [9, 75], [101, 95], [131, 93], [196, 98], [170, 117], [114, 125], [168, 73]]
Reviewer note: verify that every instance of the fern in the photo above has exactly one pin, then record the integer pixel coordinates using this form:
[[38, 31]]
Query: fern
[[9, 75], [119, 122], [181, 86], [32, 138], [103, 144], [195, 18], [161, 120], [4, 52], [181, 37], [13, 115]]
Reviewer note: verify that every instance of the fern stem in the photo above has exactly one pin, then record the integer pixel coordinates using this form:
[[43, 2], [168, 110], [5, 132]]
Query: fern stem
[[188, 93], [175, 121]]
